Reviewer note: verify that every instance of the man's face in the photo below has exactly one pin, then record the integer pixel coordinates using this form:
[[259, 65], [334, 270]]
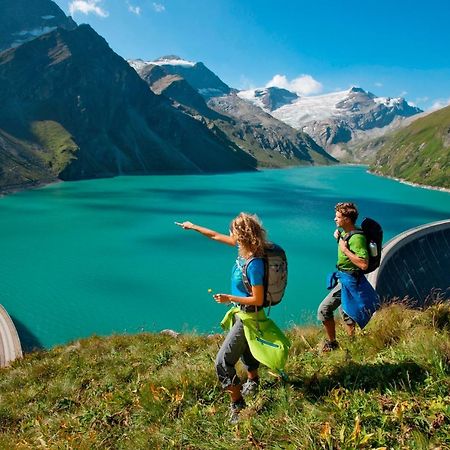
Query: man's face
[[339, 219]]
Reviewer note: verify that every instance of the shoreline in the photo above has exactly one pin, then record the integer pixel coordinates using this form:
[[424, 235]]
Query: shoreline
[[16, 188], [410, 183]]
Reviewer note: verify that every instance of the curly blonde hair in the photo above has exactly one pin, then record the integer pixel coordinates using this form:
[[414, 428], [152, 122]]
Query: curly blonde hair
[[249, 232]]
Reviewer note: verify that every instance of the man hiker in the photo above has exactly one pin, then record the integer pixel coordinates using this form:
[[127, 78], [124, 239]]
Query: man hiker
[[356, 298]]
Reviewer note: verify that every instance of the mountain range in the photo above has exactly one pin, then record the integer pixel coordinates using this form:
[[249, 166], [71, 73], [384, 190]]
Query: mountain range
[[190, 86], [71, 108], [82, 112], [331, 119]]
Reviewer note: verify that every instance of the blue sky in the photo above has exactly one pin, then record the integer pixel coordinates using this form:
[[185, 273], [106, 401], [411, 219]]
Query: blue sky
[[391, 48]]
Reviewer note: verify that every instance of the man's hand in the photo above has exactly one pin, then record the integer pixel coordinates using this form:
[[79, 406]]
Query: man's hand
[[343, 245]]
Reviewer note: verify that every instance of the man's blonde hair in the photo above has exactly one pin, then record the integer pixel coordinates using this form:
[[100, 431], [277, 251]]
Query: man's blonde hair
[[348, 209]]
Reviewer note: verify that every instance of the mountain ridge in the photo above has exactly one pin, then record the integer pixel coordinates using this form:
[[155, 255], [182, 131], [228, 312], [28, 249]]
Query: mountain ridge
[[270, 141], [73, 79]]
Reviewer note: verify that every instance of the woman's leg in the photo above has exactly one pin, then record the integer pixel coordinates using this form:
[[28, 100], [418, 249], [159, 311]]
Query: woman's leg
[[250, 363], [231, 350]]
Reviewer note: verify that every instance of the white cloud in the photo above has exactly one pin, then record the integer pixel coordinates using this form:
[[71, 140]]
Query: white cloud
[[378, 84], [440, 103], [134, 9], [87, 7], [245, 83], [158, 7], [403, 94], [303, 85]]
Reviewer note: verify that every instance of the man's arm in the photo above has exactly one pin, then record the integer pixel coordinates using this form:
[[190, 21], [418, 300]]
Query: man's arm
[[361, 263]]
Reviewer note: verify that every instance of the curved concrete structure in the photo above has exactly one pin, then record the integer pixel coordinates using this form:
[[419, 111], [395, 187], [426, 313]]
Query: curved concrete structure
[[10, 348], [415, 264]]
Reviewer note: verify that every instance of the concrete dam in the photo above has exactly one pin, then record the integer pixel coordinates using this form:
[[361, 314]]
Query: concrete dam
[[415, 265]]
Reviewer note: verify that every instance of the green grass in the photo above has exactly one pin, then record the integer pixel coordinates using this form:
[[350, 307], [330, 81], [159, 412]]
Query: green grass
[[57, 141], [419, 153], [388, 388]]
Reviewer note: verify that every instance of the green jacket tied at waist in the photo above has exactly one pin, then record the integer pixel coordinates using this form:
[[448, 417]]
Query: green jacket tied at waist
[[267, 342]]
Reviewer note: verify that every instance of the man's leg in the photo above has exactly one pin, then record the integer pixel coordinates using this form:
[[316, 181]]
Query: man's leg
[[330, 329], [349, 323], [325, 314]]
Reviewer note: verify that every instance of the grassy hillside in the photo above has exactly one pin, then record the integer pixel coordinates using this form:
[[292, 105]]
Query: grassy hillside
[[58, 142], [419, 153], [389, 388]]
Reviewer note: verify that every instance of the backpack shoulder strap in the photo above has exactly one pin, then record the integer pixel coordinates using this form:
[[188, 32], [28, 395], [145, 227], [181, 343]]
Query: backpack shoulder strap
[[247, 284], [347, 237], [245, 279]]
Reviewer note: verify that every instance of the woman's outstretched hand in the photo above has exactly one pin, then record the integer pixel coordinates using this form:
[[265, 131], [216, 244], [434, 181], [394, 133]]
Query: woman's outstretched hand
[[185, 225], [222, 298]]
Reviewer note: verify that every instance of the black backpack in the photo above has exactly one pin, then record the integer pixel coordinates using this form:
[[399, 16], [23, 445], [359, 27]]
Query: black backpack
[[275, 275], [374, 236]]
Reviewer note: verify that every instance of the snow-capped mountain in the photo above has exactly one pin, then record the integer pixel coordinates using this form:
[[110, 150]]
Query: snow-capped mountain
[[270, 98], [272, 142], [23, 20], [207, 83], [334, 118]]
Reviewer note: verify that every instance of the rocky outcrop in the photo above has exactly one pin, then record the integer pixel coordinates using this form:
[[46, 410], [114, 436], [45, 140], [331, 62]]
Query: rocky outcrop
[[269, 99]]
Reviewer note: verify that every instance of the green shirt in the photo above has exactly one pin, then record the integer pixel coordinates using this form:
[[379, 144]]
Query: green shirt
[[358, 245]]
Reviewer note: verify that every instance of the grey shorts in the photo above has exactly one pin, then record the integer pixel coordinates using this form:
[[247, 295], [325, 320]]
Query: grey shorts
[[329, 304], [234, 346]]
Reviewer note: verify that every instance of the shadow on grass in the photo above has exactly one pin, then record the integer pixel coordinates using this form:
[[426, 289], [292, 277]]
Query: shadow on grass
[[367, 377]]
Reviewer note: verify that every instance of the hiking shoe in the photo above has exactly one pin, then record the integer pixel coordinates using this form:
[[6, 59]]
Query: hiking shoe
[[329, 346], [235, 410], [250, 387]]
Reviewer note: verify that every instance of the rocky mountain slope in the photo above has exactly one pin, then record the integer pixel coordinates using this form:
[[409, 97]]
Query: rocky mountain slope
[[419, 153], [206, 82], [83, 112], [335, 119], [23, 20], [269, 99], [270, 141]]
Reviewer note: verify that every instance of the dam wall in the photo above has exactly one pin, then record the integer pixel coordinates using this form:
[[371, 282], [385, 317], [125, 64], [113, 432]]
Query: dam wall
[[10, 348], [415, 265]]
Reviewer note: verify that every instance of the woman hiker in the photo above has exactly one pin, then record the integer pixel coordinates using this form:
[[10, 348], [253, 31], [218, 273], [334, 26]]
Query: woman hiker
[[248, 234]]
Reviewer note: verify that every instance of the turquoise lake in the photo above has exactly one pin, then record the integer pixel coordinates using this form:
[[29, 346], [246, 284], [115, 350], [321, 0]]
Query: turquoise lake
[[104, 256]]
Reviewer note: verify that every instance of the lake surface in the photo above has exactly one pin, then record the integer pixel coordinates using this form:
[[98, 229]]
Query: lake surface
[[104, 256]]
